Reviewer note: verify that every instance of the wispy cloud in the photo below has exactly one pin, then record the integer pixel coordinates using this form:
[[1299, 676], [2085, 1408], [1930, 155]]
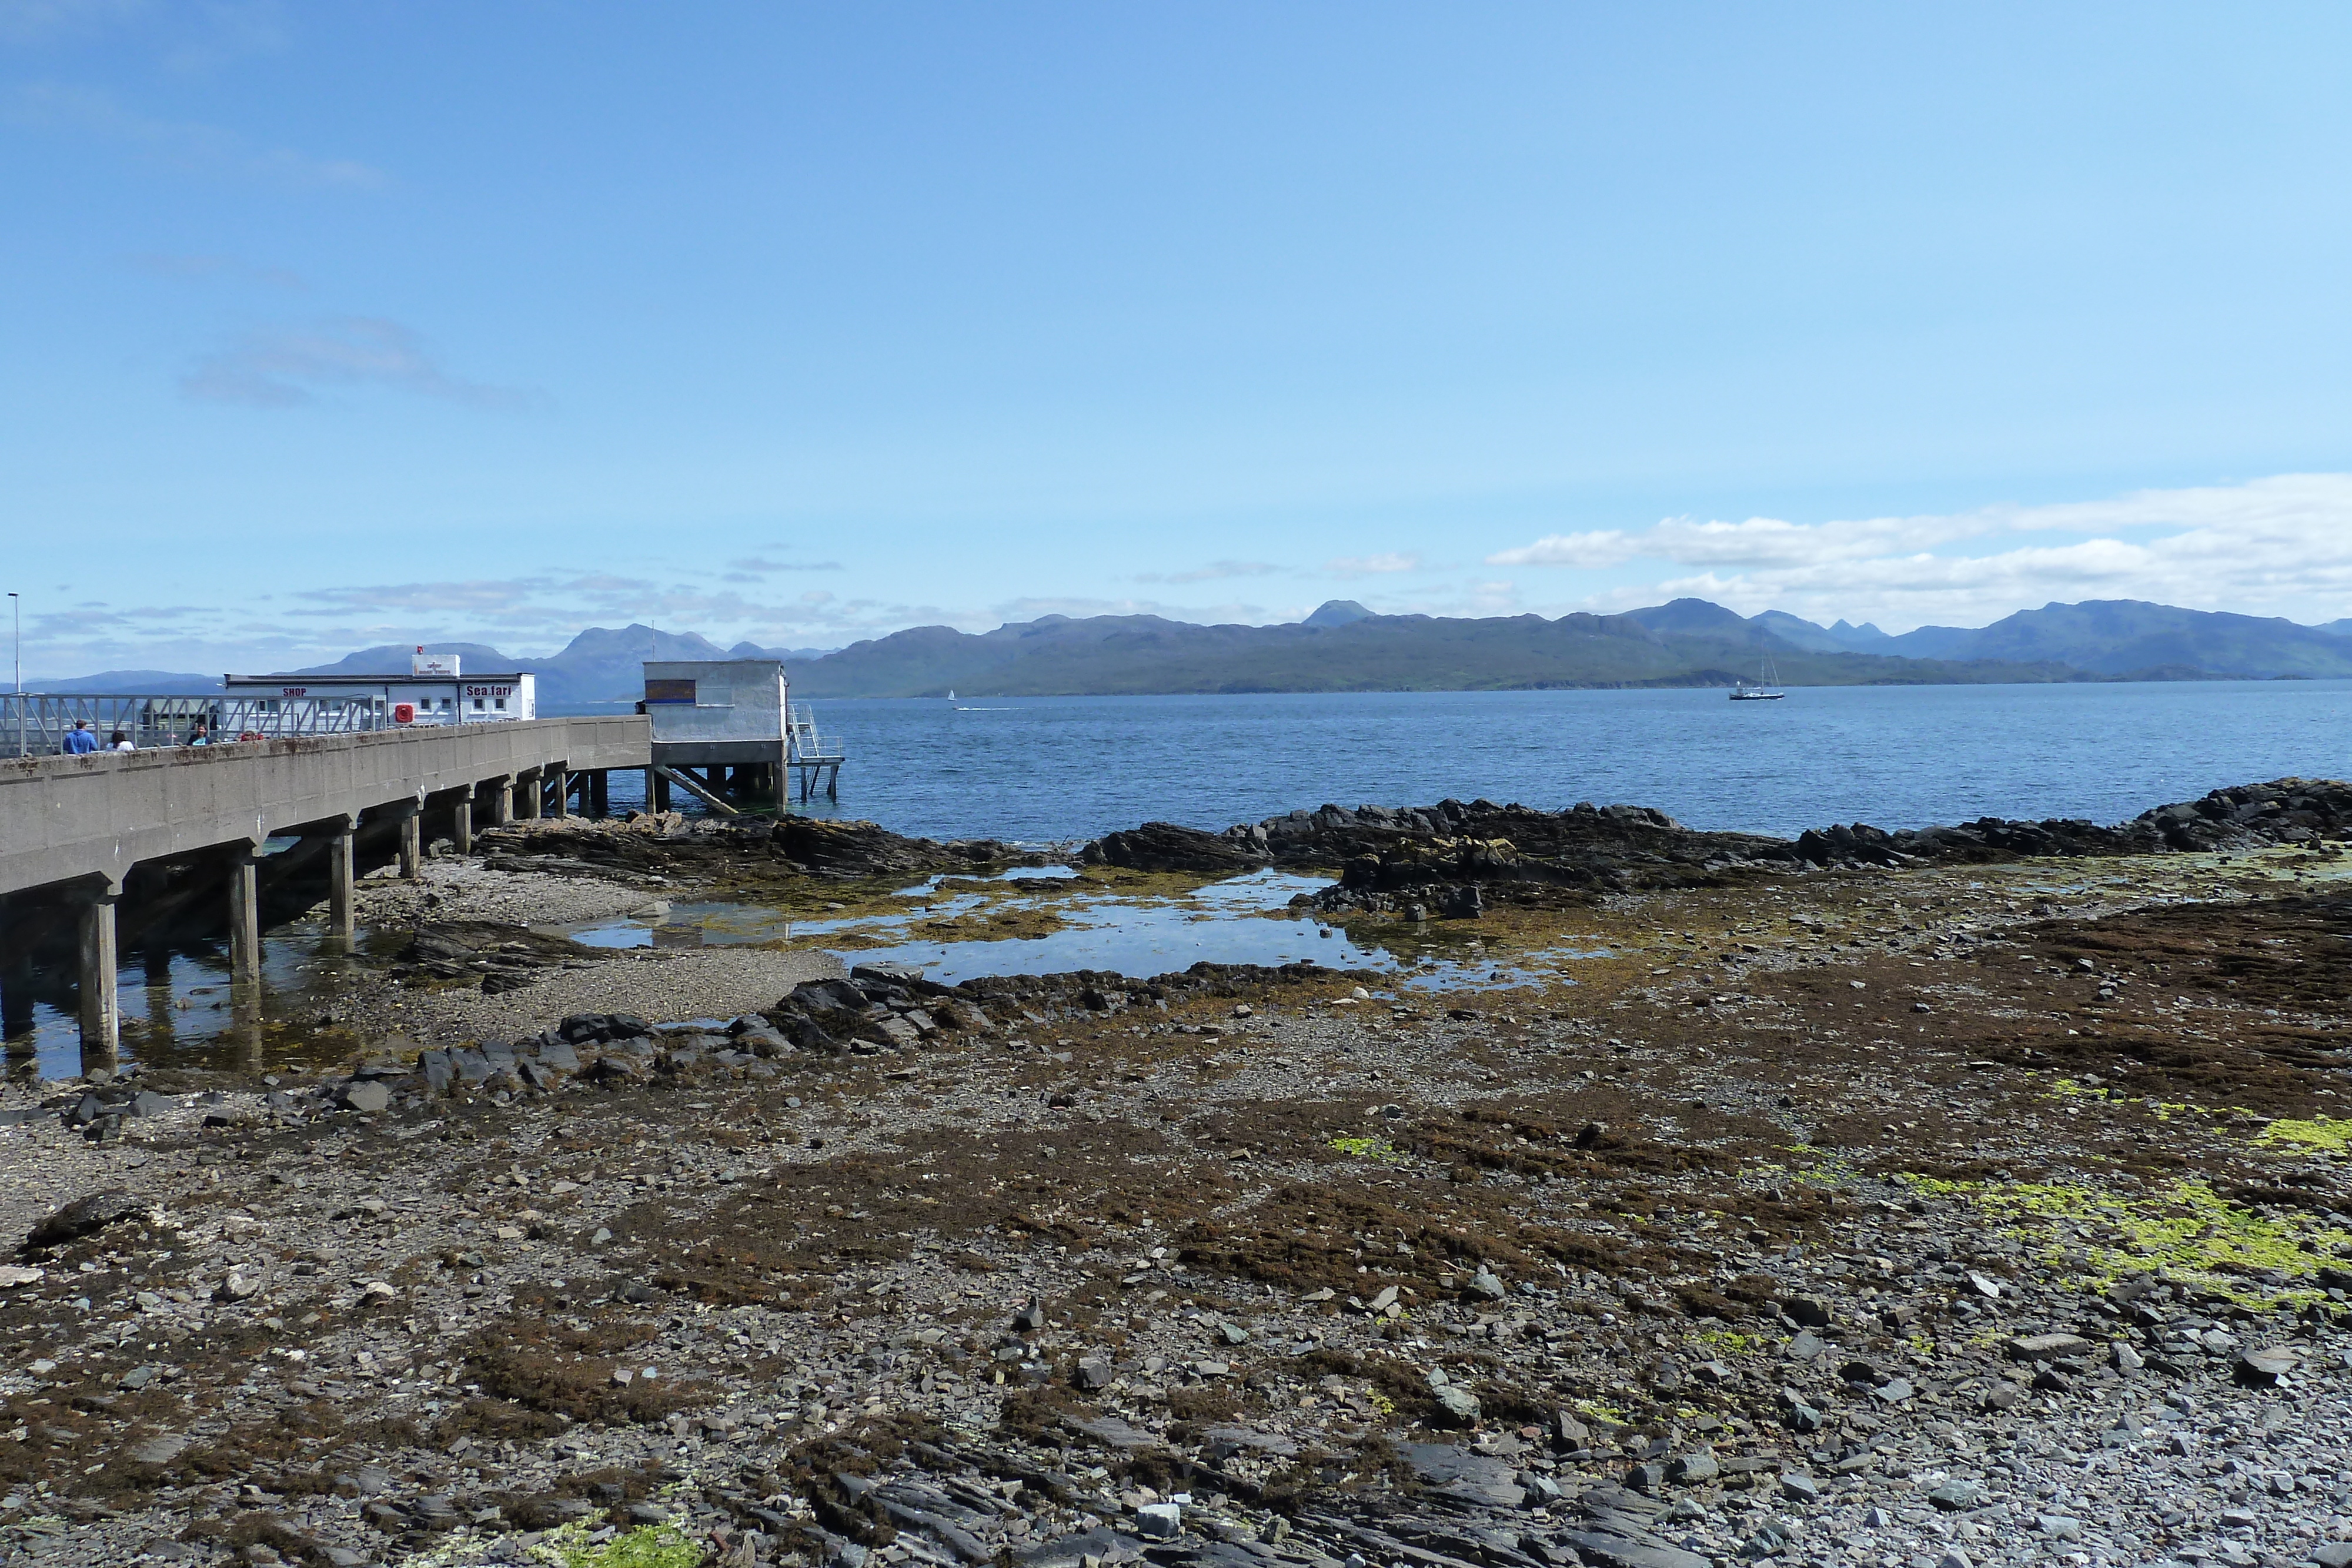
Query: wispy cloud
[[286, 366], [185, 145], [216, 268], [187, 38], [35, 22], [1217, 570], [756, 564], [1371, 565]]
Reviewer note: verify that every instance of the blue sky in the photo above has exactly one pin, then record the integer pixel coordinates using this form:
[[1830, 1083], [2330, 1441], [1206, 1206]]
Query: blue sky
[[345, 323]]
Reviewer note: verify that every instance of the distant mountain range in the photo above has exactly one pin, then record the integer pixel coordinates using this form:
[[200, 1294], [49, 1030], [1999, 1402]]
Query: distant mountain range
[[601, 665], [1345, 647], [2121, 637]]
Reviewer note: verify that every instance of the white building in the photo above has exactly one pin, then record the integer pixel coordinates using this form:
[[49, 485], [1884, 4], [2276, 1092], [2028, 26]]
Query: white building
[[432, 692]]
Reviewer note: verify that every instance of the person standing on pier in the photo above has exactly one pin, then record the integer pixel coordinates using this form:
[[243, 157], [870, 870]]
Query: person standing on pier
[[119, 742], [200, 734], [81, 740]]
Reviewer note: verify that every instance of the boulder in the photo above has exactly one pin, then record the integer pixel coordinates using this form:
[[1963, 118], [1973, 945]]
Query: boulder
[[1457, 1406], [2046, 1346], [85, 1217]]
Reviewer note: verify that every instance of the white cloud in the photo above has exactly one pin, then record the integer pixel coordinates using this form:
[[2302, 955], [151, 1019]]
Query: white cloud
[[2280, 546], [1601, 547], [281, 367], [1217, 570]]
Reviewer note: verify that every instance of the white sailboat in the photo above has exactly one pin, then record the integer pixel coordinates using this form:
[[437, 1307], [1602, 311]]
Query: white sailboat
[[1766, 690]]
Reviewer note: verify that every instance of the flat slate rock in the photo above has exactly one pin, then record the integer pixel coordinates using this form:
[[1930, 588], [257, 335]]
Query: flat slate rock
[[160, 1450], [2047, 1346], [1460, 1474], [1064, 1551], [1617, 1543], [1250, 1438], [1113, 1433], [1443, 1463]]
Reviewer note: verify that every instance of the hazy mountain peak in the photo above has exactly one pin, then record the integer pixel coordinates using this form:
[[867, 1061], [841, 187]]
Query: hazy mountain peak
[[1690, 616], [1336, 612]]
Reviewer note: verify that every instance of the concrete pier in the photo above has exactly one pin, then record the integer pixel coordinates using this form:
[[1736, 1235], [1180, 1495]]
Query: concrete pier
[[80, 823]]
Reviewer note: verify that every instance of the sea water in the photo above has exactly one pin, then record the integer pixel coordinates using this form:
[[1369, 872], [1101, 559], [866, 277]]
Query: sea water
[[1041, 770]]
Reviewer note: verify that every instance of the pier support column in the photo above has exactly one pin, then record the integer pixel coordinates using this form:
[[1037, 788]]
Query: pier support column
[[656, 791], [102, 994], [340, 874], [412, 839], [501, 800], [461, 823], [563, 778], [531, 794], [599, 798], [244, 917]]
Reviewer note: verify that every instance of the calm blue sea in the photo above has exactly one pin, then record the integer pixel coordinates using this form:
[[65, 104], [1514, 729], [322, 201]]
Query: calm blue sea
[[1044, 768]]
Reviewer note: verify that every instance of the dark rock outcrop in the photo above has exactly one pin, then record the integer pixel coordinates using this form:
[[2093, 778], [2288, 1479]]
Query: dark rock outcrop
[[850, 850], [1452, 859], [2243, 817], [84, 1217], [507, 957], [1165, 846]]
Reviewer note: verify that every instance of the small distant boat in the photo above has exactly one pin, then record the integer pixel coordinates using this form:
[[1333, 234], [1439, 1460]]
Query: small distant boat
[[951, 693], [1767, 688]]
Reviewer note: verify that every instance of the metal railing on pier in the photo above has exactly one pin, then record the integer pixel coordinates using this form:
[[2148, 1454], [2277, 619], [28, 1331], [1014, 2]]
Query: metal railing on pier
[[36, 724], [810, 757]]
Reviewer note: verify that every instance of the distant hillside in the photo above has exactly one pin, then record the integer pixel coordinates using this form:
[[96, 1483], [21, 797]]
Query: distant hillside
[[2117, 637], [392, 659], [132, 682], [1689, 643]]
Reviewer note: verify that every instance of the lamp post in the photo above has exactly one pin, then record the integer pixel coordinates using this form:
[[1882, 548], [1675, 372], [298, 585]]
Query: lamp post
[[17, 606]]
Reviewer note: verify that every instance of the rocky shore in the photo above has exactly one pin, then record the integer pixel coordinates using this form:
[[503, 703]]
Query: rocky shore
[[1981, 1205], [1451, 859]]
